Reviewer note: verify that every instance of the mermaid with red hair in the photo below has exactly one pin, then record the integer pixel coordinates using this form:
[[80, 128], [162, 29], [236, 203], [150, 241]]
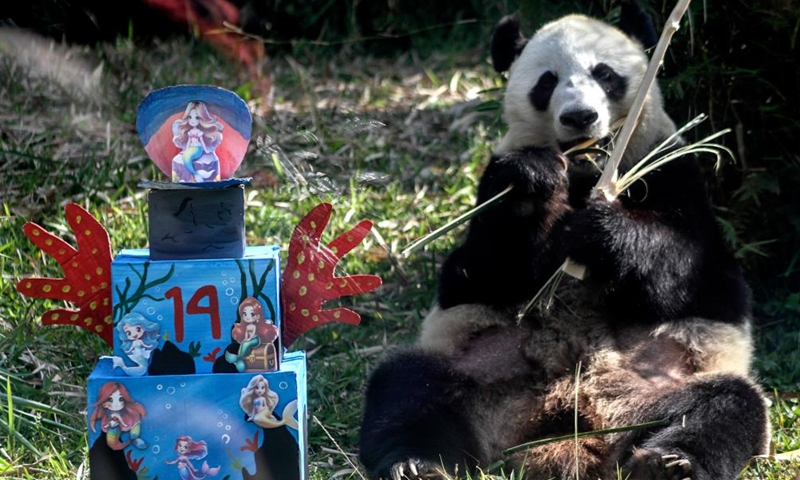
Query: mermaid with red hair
[[189, 450], [118, 414]]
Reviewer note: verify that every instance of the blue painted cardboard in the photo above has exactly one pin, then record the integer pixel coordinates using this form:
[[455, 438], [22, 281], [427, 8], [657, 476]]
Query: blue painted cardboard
[[152, 426], [196, 316]]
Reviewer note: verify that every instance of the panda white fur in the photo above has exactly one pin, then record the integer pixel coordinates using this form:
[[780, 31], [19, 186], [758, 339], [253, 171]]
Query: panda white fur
[[660, 328]]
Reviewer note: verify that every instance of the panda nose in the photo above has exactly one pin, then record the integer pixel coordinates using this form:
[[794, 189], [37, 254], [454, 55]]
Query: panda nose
[[578, 119]]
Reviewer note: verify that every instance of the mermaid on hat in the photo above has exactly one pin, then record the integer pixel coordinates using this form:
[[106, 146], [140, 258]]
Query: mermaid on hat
[[197, 133]]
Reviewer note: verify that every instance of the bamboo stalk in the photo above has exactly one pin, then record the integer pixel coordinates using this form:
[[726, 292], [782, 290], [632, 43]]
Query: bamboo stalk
[[421, 242], [606, 186], [571, 436]]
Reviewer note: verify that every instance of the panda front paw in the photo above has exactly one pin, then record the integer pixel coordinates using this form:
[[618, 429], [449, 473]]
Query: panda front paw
[[646, 464], [587, 236], [415, 468], [531, 172]]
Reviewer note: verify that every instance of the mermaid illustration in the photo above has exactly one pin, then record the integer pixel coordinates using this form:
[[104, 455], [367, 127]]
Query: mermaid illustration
[[138, 338], [118, 414], [189, 450], [259, 402], [252, 331], [197, 133]]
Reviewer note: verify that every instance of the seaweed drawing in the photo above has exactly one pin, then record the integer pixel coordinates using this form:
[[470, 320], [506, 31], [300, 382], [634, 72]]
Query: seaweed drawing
[[128, 301], [258, 283]]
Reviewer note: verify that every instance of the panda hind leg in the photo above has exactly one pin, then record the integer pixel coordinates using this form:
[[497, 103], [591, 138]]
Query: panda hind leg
[[415, 421], [717, 423]]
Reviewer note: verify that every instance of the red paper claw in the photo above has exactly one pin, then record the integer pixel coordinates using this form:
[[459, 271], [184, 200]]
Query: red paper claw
[[212, 356], [309, 280], [251, 445], [87, 274]]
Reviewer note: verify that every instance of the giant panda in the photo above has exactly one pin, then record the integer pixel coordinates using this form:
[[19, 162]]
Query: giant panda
[[659, 331]]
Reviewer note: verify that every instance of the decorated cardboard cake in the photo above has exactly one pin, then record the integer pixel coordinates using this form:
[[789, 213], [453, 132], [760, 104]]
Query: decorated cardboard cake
[[198, 384]]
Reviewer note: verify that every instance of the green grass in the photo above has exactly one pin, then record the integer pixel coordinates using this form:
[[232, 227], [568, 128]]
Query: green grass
[[373, 137]]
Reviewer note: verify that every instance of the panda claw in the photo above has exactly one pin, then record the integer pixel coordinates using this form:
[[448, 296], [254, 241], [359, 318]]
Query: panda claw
[[667, 458], [398, 472], [415, 469], [682, 462]]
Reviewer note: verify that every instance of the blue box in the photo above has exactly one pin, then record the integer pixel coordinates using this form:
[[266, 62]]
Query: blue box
[[198, 426], [196, 316]]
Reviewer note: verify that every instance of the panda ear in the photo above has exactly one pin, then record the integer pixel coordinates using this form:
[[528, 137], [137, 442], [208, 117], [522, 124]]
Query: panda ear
[[637, 23], [507, 43]]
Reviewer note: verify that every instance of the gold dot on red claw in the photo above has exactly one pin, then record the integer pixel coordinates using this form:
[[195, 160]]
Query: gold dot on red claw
[[99, 270], [87, 277], [315, 318], [62, 252], [310, 277], [104, 285], [349, 238], [304, 312], [81, 293], [66, 288], [105, 302], [301, 257], [87, 321], [313, 224], [93, 305], [28, 285], [87, 232], [107, 319], [343, 283], [74, 317], [46, 288], [75, 265], [329, 285], [321, 265], [335, 250], [296, 274], [54, 316], [337, 314], [99, 328], [48, 242], [35, 232], [78, 219], [292, 307], [94, 251], [303, 290]]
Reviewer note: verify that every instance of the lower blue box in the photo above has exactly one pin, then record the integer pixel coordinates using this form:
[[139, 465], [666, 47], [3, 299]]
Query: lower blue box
[[249, 426]]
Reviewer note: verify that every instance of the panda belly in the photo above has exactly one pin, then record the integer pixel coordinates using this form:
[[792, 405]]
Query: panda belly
[[527, 390]]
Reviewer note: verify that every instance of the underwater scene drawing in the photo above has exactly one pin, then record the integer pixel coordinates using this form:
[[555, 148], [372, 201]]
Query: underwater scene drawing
[[200, 426], [196, 316]]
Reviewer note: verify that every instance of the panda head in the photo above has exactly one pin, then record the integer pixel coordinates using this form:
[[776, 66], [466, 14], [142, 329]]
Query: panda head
[[571, 81]]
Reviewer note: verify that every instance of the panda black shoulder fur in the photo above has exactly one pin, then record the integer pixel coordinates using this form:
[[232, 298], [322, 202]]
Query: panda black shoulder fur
[[660, 327]]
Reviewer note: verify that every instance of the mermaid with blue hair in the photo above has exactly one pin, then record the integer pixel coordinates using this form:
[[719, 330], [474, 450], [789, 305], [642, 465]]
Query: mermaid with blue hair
[[138, 338], [197, 133]]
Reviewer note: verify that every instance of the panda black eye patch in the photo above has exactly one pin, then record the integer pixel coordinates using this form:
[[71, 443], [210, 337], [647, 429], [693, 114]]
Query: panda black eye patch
[[613, 83], [543, 90]]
